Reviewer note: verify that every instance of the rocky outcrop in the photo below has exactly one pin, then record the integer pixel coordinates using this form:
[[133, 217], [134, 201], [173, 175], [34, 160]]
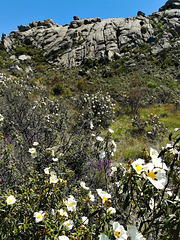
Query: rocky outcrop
[[93, 38]]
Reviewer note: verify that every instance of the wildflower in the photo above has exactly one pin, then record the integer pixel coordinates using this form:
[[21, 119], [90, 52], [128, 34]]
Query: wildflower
[[33, 152], [110, 130], [133, 233], [152, 203], [53, 179], [91, 197], [68, 224], [1, 118], [55, 159], [91, 125], [114, 145], [103, 195], [46, 170], [83, 185], [35, 143], [100, 139], [10, 200], [119, 231], [85, 220], [62, 212], [157, 177], [114, 169], [103, 237], [111, 210], [39, 216], [63, 238], [71, 204], [102, 154], [157, 161], [138, 165]]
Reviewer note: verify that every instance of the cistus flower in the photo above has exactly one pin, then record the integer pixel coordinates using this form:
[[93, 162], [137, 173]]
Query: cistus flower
[[63, 238], [133, 233], [69, 224], [103, 237], [46, 170], [138, 165], [62, 212], [156, 176], [103, 195], [1, 118], [157, 161], [113, 170], [71, 204], [33, 152], [39, 216], [53, 179], [85, 220], [91, 196], [83, 185], [111, 210], [119, 232], [102, 154], [35, 143], [10, 200], [100, 139]]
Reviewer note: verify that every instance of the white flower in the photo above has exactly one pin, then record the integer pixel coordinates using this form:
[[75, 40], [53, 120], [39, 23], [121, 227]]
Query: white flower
[[114, 145], [35, 143], [55, 159], [103, 237], [138, 165], [83, 185], [91, 125], [1, 118], [10, 200], [133, 233], [85, 220], [63, 238], [157, 177], [110, 130], [71, 203], [119, 231], [53, 179], [111, 210], [103, 195], [39, 216], [91, 197], [102, 154], [62, 212], [68, 224], [33, 152], [46, 170], [100, 139], [114, 169], [157, 161]]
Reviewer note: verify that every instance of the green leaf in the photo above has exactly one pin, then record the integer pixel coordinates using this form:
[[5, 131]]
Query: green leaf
[[177, 232], [126, 202], [170, 135]]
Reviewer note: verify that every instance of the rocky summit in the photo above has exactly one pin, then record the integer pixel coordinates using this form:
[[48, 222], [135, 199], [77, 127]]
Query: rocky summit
[[94, 38]]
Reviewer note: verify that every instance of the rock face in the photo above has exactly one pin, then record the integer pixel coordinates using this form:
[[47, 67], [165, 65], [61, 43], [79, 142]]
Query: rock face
[[93, 38]]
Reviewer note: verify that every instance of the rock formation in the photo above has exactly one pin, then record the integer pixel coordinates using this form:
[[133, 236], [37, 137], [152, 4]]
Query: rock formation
[[93, 38]]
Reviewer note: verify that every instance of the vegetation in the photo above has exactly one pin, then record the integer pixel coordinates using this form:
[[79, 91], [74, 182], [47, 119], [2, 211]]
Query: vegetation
[[85, 151]]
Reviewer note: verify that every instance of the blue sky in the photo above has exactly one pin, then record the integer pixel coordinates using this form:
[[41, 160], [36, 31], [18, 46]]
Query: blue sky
[[22, 12]]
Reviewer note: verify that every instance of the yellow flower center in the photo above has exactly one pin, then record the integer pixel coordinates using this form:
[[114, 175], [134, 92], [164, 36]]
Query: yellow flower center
[[151, 175], [70, 204], [67, 224], [105, 199], [10, 200], [39, 216], [138, 168], [117, 233]]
